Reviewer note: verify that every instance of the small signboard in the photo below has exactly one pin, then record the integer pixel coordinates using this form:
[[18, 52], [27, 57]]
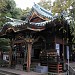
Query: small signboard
[[57, 46]]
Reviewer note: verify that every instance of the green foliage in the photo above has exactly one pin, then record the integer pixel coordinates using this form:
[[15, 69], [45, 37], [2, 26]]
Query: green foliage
[[16, 13], [69, 7], [60, 5], [2, 5], [46, 4], [4, 43], [24, 13], [72, 19], [8, 8]]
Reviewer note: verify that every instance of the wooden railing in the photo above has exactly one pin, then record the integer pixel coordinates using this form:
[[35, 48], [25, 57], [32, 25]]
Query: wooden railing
[[52, 61]]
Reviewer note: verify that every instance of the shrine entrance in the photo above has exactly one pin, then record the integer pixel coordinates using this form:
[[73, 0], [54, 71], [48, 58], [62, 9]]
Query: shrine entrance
[[18, 50], [18, 53], [38, 46]]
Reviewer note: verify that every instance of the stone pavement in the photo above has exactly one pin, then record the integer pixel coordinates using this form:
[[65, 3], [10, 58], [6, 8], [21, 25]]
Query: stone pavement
[[72, 65], [18, 72], [6, 73], [71, 68]]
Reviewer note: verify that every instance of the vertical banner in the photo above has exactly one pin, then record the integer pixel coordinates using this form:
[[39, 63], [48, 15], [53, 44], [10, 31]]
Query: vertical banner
[[58, 48], [68, 58], [67, 52]]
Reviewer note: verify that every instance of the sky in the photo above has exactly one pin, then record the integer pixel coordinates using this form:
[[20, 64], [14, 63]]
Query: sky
[[26, 3]]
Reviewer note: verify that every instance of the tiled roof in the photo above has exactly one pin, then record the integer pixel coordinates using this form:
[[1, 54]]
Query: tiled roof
[[14, 22], [40, 10]]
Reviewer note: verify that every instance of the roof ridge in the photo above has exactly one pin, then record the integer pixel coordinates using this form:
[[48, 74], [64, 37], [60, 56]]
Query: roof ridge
[[42, 8], [39, 9]]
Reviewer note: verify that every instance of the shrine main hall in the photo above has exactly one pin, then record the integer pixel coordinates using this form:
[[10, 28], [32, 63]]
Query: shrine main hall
[[41, 38]]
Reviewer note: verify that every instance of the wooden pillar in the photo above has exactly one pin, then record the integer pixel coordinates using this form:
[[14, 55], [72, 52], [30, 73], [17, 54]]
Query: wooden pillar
[[10, 53], [29, 45], [25, 54], [10, 58], [29, 56], [63, 49], [58, 68], [54, 37]]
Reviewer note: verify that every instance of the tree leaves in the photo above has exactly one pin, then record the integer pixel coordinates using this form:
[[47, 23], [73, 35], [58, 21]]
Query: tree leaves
[[46, 4], [4, 42], [61, 5]]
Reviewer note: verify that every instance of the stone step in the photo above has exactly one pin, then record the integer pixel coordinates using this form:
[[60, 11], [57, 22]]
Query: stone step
[[19, 67], [41, 69], [6, 73], [71, 68]]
